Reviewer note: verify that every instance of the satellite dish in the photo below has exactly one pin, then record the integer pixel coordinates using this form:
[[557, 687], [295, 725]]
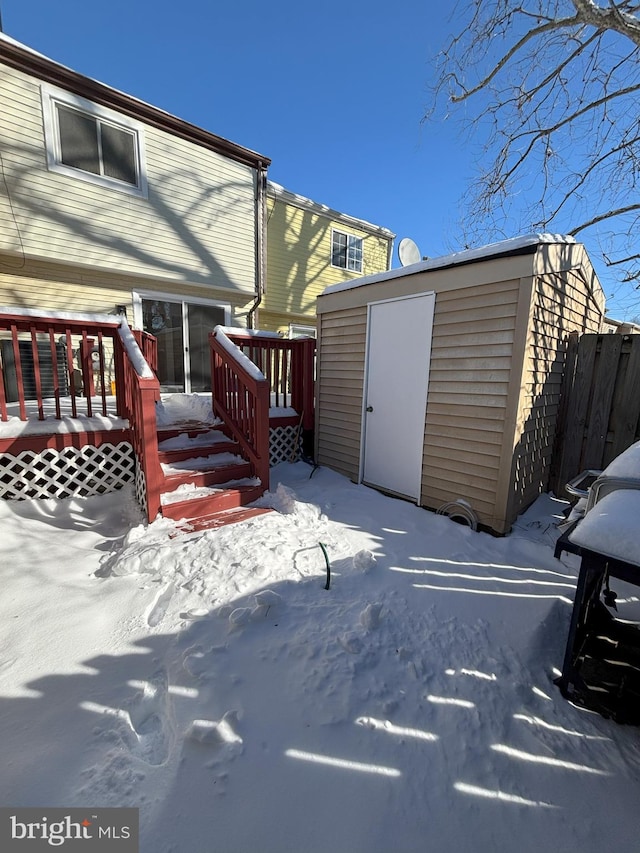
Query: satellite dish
[[408, 252]]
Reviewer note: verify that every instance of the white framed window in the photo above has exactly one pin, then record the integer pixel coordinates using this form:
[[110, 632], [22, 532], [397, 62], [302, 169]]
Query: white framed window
[[346, 251], [298, 331], [92, 143]]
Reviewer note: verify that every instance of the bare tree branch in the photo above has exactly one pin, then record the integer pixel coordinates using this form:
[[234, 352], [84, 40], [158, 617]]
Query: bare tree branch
[[532, 34], [613, 17], [555, 85], [603, 216]]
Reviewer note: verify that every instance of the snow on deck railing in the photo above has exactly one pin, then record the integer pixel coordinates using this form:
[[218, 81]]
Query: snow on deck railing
[[74, 317], [221, 334], [134, 352], [248, 333]]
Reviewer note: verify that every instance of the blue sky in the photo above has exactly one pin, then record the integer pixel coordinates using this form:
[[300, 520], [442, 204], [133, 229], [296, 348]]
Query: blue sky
[[333, 92]]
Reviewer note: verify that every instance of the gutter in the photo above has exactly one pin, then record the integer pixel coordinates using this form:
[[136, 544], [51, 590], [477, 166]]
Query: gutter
[[28, 61], [390, 253], [261, 243]]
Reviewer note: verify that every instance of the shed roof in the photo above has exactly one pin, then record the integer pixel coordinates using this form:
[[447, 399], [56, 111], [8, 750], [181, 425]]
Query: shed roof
[[526, 244], [29, 61]]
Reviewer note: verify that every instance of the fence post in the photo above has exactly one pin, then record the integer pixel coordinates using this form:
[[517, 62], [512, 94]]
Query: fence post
[[602, 388], [625, 420]]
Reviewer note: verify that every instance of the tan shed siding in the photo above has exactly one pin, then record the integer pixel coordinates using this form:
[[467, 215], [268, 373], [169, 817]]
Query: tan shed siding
[[341, 361], [471, 362], [197, 224], [562, 303]]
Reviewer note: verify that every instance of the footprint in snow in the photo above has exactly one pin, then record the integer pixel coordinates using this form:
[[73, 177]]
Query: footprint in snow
[[239, 617], [370, 616], [196, 614], [268, 597], [351, 643], [265, 601], [198, 661], [159, 606], [220, 735], [148, 716], [363, 561]]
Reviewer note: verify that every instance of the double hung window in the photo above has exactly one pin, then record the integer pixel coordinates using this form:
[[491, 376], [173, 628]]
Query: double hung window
[[346, 251], [89, 142]]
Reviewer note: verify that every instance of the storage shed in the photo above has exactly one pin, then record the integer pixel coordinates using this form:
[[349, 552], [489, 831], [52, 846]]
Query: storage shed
[[440, 381]]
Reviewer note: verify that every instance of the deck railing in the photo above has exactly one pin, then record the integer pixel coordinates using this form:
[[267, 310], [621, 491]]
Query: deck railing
[[138, 393], [241, 399], [288, 366], [56, 358], [73, 365]]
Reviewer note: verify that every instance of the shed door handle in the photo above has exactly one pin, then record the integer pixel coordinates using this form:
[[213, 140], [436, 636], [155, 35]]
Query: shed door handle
[[369, 408]]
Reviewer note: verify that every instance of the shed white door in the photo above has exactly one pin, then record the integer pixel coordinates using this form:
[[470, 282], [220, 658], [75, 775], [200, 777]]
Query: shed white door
[[396, 382]]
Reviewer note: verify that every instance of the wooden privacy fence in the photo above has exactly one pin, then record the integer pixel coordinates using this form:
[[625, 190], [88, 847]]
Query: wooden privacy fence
[[599, 407]]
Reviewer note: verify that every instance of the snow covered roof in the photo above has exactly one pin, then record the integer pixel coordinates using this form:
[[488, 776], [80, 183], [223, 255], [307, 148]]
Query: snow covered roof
[[515, 245], [25, 59], [278, 191]]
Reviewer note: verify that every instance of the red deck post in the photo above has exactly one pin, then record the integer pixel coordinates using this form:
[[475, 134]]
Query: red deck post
[[56, 377], [87, 370], [72, 373], [36, 372], [262, 434], [3, 400], [149, 391], [18, 364]]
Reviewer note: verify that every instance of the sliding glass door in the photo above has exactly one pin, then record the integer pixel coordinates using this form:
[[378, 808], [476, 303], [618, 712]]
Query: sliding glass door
[[201, 319], [182, 329]]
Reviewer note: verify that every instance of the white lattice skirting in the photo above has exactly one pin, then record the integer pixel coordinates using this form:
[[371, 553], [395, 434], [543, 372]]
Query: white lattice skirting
[[282, 442], [72, 471], [140, 484]]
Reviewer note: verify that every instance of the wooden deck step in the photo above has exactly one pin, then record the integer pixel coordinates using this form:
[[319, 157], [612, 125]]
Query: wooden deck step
[[180, 454], [210, 501], [213, 475], [222, 518], [205, 456], [192, 429]]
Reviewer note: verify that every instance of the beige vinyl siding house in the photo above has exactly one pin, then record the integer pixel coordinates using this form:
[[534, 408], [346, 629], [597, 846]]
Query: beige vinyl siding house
[[302, 258], [177, 222], [500, 323]]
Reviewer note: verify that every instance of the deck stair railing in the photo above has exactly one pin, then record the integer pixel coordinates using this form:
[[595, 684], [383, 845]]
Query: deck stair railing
[[138, 391], [288, 366], [240, 395]]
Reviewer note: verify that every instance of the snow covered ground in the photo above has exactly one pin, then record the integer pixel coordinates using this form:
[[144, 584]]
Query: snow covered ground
[[213, 682]]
